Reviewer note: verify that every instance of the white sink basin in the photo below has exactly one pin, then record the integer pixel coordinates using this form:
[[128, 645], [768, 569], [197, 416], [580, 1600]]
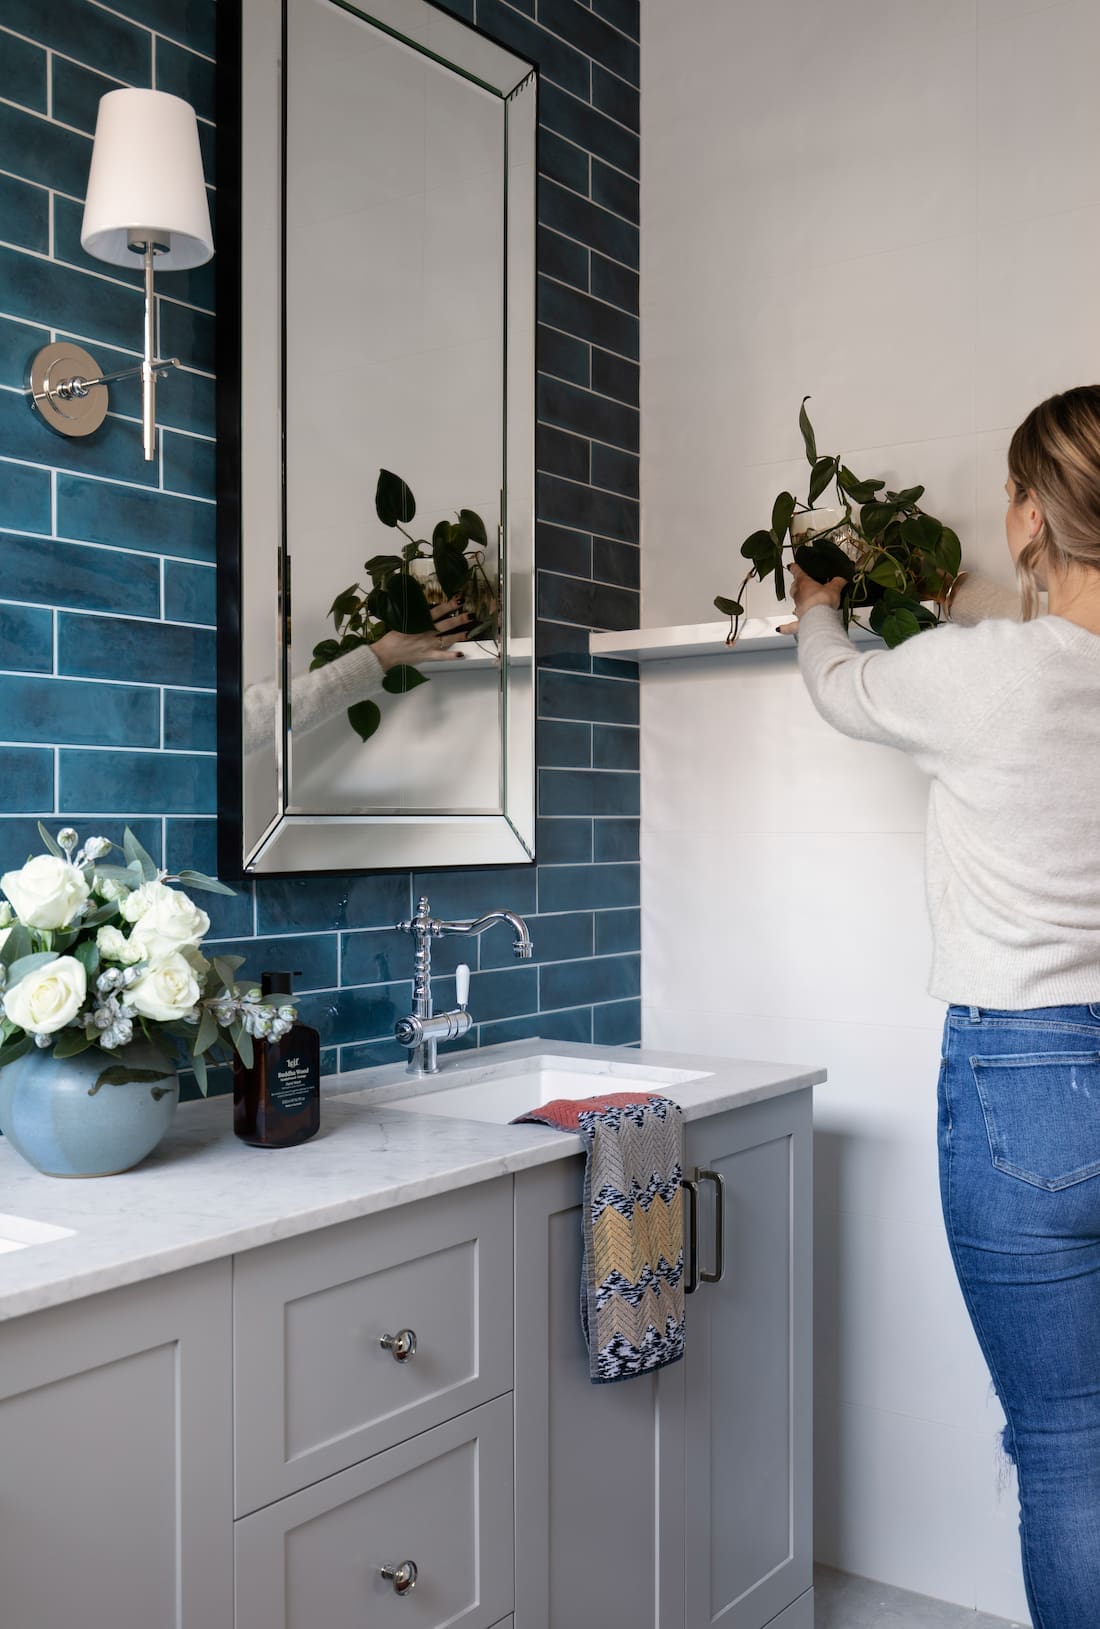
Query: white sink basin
[[17, 1232], [500, 1097]]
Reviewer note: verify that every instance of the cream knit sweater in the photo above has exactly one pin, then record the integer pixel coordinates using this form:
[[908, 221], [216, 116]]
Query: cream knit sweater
[[1005, 718]]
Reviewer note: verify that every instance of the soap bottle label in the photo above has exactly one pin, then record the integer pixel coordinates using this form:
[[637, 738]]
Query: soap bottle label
[[289, 1085]]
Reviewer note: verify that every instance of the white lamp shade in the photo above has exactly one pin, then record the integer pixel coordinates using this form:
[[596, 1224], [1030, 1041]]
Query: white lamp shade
[[146, 180]]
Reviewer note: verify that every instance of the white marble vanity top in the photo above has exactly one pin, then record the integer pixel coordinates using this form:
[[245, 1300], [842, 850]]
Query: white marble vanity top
[[203, 1194]]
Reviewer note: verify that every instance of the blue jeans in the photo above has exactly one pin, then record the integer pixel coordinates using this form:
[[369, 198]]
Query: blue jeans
[[1019, 1141]]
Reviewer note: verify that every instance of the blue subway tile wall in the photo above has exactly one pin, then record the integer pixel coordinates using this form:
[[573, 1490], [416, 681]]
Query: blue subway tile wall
[[107, 586]]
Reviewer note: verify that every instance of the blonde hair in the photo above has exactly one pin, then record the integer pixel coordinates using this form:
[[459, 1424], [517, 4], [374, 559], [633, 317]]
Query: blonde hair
[[1055, 457]]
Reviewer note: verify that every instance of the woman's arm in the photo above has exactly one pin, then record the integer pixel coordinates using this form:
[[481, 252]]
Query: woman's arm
[[356, 676]]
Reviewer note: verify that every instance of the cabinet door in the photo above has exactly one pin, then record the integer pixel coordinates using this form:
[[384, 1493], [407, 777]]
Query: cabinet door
[[315, 1389], [440, 1506], [747, 1370], [590, 1481], [115, 1473]]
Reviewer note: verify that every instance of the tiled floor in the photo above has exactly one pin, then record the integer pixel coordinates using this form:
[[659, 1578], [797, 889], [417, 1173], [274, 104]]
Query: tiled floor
[[844, 1602]]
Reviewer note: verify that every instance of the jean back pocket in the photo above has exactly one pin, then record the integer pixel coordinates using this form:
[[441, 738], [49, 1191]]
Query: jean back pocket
[[1042, 1115]]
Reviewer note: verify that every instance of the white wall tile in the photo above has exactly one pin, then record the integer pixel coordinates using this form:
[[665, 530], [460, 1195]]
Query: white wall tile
[[1038, 118], [895, 1499], [1038, 321]]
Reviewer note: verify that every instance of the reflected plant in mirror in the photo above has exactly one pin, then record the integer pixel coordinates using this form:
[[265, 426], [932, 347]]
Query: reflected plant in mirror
[[400, 598]]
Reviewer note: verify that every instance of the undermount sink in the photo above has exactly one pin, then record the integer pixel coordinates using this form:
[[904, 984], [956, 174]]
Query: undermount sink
[[17, 1232], [499, 1097]]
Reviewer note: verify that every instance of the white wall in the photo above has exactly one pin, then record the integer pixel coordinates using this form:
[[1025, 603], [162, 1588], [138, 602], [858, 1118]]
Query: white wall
[[896, 208]]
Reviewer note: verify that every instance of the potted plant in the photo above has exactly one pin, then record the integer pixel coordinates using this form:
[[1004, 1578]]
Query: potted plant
[[894, 556], [104, 995], [401, 592]]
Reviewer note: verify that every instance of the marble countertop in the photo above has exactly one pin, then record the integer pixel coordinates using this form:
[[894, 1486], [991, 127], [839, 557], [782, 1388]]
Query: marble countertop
[[203, 1194]]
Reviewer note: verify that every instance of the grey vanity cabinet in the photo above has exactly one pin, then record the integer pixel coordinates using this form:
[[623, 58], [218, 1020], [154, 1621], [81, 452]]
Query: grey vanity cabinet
[[679, 1500], [746, 1378], [438, 1506], [315, 1389], [116, 1497]]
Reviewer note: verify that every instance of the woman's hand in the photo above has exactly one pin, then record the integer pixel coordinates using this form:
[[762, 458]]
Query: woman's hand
[[452, 624], [807, 593]]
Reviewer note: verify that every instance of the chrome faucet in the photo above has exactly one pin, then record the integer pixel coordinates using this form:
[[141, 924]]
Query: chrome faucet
[[422, 1030]]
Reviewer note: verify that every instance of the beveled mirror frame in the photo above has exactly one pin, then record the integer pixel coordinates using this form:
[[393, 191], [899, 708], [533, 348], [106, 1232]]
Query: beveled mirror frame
[[260, 834]]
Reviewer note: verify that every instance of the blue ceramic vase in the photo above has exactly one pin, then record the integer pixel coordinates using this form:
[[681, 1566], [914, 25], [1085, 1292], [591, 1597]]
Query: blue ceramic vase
[[50, 1115]]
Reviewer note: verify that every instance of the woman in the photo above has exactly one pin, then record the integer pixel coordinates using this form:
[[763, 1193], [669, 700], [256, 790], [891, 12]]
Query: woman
[[1004, 715]]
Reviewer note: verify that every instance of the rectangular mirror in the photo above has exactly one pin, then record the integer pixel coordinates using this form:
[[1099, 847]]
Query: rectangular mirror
[[376, 443]]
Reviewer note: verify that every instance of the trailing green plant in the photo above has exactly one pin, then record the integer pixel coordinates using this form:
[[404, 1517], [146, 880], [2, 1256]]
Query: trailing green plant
[[398, 601], [893, 555]]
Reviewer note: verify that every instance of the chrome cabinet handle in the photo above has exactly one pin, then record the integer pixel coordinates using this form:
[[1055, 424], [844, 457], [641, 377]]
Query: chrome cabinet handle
[[719, 1227], [402, 1577], [401, 1346], [692, 1282]]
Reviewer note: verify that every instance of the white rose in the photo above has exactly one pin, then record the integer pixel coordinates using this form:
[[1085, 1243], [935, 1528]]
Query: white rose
[[168, 990], [47, 892], [165, 919], [45, 1000], [6, 914], [114, 946]]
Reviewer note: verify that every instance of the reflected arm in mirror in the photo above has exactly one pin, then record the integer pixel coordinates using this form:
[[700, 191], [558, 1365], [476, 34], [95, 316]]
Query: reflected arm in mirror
[[357, 676]]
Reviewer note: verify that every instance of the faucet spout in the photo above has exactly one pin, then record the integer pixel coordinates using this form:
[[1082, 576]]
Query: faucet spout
[[478, 925]]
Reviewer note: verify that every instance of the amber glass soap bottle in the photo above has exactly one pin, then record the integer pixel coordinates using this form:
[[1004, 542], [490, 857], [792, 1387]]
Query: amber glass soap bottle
[[277, 1103]]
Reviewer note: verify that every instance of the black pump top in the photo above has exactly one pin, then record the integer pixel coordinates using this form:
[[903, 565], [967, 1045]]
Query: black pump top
[[276, 984]]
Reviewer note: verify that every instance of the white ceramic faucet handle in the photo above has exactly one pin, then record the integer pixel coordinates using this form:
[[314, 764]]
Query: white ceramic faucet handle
[[462, 983]]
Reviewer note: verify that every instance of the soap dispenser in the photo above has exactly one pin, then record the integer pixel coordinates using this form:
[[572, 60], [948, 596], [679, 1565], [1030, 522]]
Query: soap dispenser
[[277, 1102]]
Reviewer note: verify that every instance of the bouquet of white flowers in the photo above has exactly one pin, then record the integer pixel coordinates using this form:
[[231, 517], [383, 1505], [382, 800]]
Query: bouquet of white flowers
[[93, 954]]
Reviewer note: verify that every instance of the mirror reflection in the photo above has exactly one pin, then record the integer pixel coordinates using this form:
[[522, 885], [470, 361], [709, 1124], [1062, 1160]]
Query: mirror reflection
[[386, 661]]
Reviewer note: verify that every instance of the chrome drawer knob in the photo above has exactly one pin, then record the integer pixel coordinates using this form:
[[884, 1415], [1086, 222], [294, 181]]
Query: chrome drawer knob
[[401, 1347], [403, 1578]]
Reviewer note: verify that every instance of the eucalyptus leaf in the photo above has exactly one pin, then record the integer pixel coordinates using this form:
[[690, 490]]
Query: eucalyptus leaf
[[364, 718], [12, 1050], [242, 1040], [115, 873], [225, 969], [807, 429], [135, 853], [71, 1042], [393, 501], [198, 1064], [51, 842], [401, 679], [207, 1032], [209, 885], [17, 946], [29, 964], [87, 954]]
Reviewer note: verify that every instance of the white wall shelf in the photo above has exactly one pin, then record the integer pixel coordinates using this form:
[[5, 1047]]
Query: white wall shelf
[[702, 639]]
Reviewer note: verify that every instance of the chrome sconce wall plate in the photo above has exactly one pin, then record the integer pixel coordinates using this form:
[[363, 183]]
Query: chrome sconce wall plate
[[146, 168]]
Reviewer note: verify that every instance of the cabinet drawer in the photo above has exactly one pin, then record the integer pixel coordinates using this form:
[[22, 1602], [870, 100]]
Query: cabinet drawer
[[442, 1502], [315, 1390]]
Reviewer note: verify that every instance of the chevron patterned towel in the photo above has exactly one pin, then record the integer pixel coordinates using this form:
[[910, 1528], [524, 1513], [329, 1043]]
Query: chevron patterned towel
[[632, 1293]]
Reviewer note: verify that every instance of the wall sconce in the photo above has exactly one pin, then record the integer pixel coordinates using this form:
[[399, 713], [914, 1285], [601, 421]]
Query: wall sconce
[[146, 196]]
